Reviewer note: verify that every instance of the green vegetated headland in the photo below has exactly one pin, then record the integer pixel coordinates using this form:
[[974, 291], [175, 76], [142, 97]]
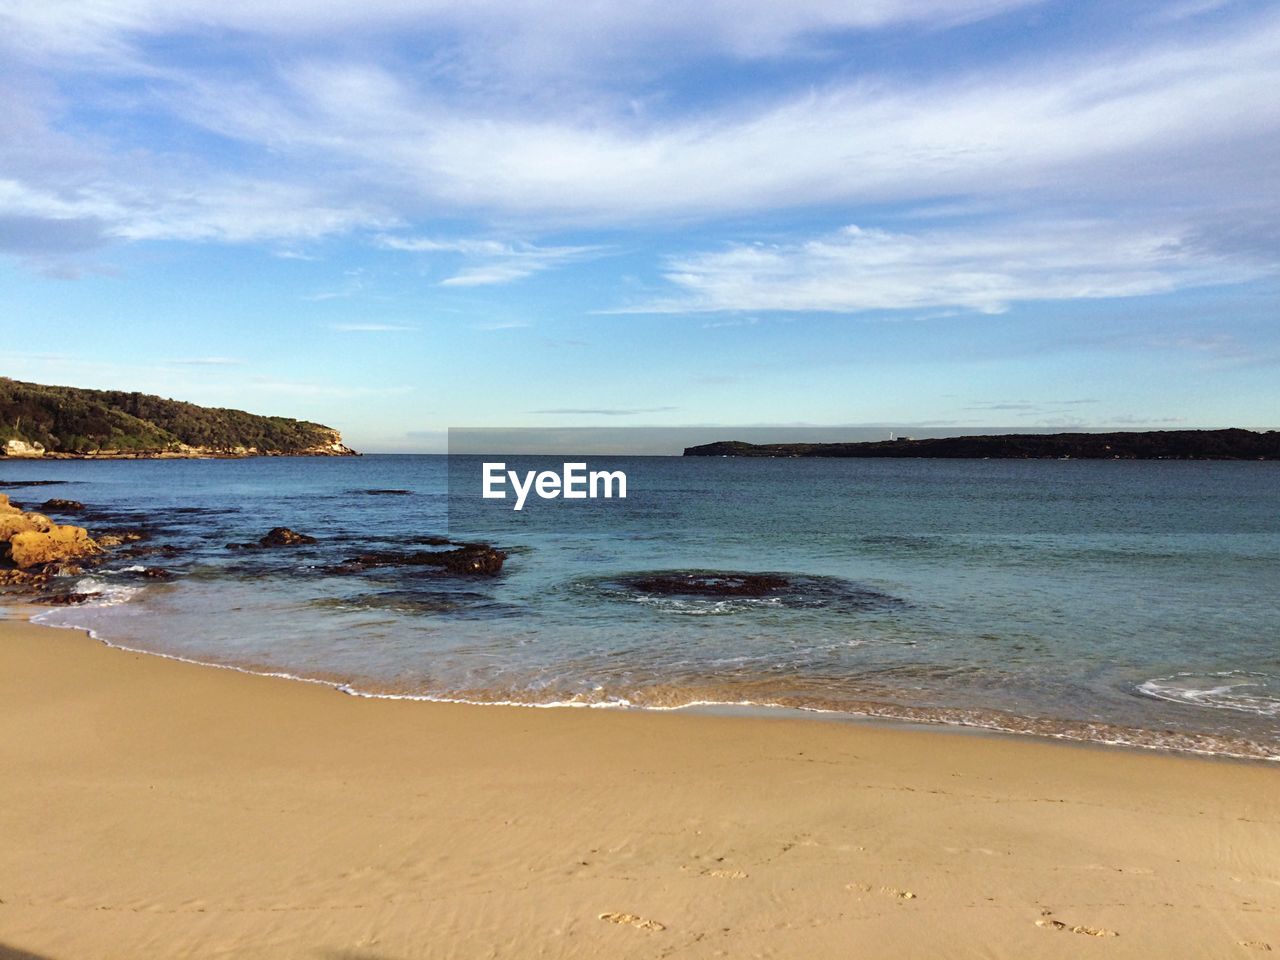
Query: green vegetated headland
[[1233, 444], [50, 421]]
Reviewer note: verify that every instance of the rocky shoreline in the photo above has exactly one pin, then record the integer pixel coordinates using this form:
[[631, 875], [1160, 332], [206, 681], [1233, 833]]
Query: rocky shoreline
[[40, 557], [20, 450]]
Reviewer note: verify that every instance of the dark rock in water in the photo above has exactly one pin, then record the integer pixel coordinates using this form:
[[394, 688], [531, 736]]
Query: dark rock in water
[[710, 584], [154, 573], [64, 599], [62, 506], [468, 559], [480, 559], [387, 493], [726, 591], [431, 541], [284, 537], [33, 483], [63, 569], [117, 537], [153, 550]]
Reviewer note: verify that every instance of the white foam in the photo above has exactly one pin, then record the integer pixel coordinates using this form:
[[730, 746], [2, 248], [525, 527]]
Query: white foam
[[1226, 690]]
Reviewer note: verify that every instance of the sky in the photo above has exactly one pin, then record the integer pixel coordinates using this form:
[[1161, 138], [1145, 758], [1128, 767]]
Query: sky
[[401, 216]]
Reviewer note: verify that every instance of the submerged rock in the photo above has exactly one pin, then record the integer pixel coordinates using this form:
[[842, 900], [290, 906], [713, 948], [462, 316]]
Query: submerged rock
[[152, 550], [119, 538], [284, 537], [63, 568], [62, 506], [723, 591], [64, 599], [467, 559], [710, 584]]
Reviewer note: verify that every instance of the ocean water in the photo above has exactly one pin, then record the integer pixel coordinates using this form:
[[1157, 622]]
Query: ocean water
[[1116, 601]]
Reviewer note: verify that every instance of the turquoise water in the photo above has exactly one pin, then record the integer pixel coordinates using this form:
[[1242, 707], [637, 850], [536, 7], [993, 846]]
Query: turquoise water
[[1113, 601]]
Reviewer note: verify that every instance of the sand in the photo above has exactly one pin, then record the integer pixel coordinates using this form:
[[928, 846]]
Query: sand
[[154, 809]]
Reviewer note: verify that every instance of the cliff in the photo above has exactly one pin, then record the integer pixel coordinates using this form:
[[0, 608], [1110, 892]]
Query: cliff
[[1135, 445], [70, 422]]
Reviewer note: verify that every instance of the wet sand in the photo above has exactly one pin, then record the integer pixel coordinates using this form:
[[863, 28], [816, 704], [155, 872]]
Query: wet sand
[[150, 808]]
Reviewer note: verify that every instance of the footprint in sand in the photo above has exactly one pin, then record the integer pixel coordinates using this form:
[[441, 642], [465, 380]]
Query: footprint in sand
[[631, 920], [1050, 924], [1254, 945], [890, 891]]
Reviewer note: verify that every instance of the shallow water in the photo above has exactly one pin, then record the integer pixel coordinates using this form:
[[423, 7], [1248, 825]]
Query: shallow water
[[1113, 601]]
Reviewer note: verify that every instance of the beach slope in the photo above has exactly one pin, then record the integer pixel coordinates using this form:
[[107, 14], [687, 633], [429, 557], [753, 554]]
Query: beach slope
[[150, 808]]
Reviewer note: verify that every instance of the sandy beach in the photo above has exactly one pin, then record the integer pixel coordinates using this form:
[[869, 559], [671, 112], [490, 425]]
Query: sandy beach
[[152, 808]]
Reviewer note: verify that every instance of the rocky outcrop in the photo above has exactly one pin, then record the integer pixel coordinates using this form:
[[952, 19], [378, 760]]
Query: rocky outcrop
[[59, 543], [20, 448], [12, 524], [23, 579], [29, 540]]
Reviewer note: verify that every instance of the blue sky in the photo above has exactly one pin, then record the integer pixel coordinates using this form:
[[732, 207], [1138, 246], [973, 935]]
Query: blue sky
[[404, 215]]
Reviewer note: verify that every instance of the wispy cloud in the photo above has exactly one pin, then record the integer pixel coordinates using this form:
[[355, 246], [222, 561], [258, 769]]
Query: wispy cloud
[[980, 269], [491, 261], [1049, 127], [341, 144]]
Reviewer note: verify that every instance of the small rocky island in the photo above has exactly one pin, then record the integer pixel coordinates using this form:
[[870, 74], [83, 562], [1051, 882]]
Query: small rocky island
[[74, 423], [1126, 445]]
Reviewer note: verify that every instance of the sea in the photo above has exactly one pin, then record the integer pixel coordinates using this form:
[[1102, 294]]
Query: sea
[[1119, 602]]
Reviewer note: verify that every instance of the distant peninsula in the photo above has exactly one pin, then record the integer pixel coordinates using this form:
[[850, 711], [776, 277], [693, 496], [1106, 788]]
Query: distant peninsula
[[73, 423], [1126, 445]]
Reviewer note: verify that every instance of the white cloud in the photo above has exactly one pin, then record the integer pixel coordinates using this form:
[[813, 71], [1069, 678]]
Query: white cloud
[[492, 261], [984, 270], [1193, 118], [321, 143]]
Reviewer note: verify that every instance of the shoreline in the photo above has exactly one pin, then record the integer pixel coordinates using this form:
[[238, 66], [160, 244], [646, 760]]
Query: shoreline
[[906, 718], [160, 808]]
